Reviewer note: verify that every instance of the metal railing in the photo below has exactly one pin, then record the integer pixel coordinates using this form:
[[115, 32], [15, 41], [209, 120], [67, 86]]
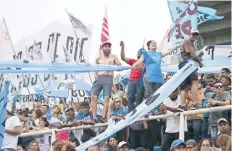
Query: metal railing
[[181, 114]]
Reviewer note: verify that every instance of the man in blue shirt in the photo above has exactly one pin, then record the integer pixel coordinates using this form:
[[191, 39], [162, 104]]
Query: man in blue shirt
[[86, 117]]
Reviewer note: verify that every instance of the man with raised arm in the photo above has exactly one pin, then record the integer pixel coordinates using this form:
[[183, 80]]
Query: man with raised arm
[[103, 81], [135, 88], [188, 54]]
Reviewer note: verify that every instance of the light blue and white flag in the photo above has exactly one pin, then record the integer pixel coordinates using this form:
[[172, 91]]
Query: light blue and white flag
[[203, 13], [179, 31], [3, 106]]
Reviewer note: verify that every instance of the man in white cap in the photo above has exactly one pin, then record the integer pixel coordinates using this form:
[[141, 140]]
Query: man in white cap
[[123, 146], [188, 54], [223, 126], [103, 81]]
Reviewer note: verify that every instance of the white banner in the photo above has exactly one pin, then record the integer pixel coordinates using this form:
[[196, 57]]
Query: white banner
[[53, 38]]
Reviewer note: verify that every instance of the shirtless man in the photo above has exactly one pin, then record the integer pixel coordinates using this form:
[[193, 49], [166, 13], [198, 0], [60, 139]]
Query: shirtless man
[[104, 80]]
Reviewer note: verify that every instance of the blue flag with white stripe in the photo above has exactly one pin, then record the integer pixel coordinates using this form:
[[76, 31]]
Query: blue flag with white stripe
[[203, 13], [3, 106]]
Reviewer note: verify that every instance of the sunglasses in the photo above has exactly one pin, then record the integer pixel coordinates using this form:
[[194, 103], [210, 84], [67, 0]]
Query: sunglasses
[[195, 34], [217, 87]]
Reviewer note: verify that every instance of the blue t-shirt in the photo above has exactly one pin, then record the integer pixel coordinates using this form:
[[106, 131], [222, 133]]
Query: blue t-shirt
[[83, 116], [205, 102], [152, 61], [119, 112]]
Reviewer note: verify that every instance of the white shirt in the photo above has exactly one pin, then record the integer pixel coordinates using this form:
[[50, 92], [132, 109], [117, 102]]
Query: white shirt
[[9, 140], [173, 123]]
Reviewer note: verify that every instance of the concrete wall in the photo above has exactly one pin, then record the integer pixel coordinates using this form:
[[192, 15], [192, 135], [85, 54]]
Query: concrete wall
[[217, 32]]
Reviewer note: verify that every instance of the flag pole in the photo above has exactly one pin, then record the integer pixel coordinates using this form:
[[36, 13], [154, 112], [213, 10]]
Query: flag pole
[[14, 51], [9, 37], [79, 44]]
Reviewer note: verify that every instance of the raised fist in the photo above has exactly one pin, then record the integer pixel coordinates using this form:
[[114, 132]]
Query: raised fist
[[122, 44]]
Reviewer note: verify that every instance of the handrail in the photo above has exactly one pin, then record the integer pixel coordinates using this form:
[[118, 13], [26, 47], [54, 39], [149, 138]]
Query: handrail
[[199, 111]]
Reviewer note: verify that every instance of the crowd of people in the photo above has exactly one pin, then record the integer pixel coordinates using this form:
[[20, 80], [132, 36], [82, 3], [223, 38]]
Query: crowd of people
[[203, 132]]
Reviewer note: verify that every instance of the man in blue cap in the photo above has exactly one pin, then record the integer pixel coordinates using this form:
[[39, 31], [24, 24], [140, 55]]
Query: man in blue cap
[[178, 145]]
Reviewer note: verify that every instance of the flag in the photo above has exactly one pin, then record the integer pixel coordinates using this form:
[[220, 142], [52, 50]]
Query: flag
[[203, 14], [105, 37], [68, 56], [3, 106], [77, 24], [6, 47], [178, 32], [36, 53]]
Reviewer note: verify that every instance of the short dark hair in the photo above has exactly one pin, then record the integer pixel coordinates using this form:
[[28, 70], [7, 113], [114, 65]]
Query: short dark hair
[[226, 70], [211, 76], [227, 78], [74, 139], [84, 104], [148, 44], [70, 109], [24, 113]]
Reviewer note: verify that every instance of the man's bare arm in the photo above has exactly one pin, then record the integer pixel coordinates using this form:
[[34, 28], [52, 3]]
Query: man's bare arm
[[15, 131], [116, 61]]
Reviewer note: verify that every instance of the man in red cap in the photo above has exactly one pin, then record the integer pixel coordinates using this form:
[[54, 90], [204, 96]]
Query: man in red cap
[[103, 81]]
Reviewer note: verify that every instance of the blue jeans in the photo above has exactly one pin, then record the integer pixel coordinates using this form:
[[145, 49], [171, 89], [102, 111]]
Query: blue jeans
[[194, 129], [135, 92], [214, 132], [205, 125], [138, 139]]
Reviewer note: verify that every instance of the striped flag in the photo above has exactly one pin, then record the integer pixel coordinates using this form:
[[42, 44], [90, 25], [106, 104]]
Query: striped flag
[[3, 106], [105, 37], [77, 24]]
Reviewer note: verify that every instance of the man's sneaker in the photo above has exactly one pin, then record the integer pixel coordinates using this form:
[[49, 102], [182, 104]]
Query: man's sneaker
[[196, 106], [181, 108]]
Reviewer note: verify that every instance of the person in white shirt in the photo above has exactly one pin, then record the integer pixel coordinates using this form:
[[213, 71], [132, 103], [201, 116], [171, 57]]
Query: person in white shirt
[[171, 105], [12, 130]]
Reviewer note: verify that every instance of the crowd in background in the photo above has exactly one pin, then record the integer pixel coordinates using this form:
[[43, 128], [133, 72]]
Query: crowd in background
[[203, 132]]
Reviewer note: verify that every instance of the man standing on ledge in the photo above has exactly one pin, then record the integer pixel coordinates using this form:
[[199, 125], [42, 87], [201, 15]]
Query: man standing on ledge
[[103, 81], [188, 54]]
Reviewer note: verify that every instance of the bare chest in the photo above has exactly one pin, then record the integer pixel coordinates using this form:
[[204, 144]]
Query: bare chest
[[107, 61]]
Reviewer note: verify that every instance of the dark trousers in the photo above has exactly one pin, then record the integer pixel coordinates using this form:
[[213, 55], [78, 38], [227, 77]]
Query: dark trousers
[[194, 129], [135, 94], [138, 139], [205, 128], [167, 140], [154, 138]]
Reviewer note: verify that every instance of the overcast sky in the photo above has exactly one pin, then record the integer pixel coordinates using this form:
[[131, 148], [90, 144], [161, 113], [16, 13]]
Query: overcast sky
[[129, 20]]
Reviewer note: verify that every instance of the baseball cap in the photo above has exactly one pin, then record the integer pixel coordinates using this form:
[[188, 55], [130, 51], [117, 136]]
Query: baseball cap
[[222, 120], [122, 144], [191, 142], [106, 43], [176, 143], [194, 31]]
